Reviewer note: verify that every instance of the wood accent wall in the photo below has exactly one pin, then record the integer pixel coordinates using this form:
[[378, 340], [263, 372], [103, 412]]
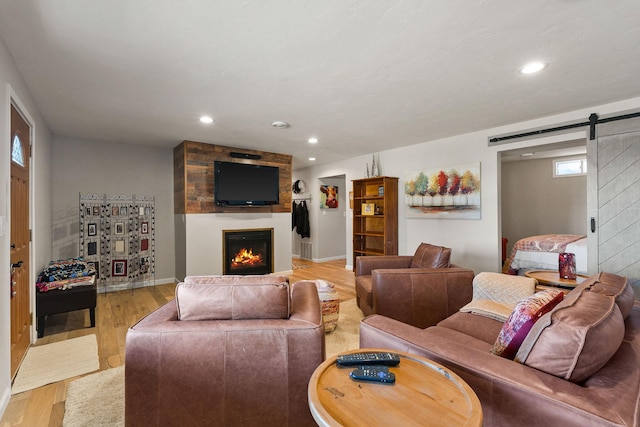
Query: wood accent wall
[[193, 177]]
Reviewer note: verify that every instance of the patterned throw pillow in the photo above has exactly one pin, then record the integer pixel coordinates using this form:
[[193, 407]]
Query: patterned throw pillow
[[521, 320]]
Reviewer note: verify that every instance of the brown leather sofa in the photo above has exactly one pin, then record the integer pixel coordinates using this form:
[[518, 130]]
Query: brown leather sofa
[[578, 366], [228, 351], [420, 289]]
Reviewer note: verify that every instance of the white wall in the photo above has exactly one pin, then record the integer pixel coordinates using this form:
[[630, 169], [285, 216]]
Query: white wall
[[476, 244], [204, 240], [85, 166], [12, 87]]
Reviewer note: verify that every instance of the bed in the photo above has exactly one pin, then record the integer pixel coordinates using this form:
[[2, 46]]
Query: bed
[[541, 253]]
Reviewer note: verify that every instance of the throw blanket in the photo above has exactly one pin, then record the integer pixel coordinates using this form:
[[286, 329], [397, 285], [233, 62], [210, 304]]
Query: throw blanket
[[495, 295], [65, 283], [556, 243], [64, 274]]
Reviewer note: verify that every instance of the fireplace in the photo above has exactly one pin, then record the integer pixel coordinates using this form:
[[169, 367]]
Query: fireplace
[[247, 251]]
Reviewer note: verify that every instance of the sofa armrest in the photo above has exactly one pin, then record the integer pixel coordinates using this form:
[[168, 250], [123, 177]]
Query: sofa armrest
[[305, 303], [366, 264], [510, 393], [421, 297]]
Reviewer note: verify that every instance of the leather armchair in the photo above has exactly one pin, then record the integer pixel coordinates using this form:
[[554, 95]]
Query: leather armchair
[[238, 371], [396, 287]]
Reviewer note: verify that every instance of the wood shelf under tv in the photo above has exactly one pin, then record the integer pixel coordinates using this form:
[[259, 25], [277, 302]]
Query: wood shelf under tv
[[375, 233]]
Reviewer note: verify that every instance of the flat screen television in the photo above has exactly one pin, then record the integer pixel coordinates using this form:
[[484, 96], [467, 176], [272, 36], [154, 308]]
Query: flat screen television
[[242, 184]]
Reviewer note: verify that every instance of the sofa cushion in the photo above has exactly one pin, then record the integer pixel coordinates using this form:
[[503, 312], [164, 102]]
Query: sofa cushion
[[238, 299], [482, 328], [364, 289], [430, 256], [619, 288], [495, 295], [576, 338], [525, 314]]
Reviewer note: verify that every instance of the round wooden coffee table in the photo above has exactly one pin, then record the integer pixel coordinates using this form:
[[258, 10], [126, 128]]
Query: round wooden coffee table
[[425, 394], [551, 278]]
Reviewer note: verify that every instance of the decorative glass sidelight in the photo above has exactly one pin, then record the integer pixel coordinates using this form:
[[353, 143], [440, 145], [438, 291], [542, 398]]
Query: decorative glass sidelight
[[17, 154]]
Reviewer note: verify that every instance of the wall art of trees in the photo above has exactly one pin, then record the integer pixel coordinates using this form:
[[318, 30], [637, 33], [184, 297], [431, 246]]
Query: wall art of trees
[[452, 192]]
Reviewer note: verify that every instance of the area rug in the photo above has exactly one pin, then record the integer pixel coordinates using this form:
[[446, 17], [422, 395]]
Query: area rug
[[50, 363], [346, 336], [98, 399]]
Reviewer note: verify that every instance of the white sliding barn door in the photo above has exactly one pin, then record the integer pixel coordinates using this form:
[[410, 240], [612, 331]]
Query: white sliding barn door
[[613, 200]]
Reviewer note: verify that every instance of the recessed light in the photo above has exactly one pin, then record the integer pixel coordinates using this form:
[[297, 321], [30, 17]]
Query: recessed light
[[280, 124], [313, 159], [206, 119], [527, 154], [313, 140], [532, 67]]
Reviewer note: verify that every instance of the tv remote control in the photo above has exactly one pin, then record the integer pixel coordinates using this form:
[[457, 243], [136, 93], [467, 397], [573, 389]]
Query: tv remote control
[[375, 373], [377, 358]]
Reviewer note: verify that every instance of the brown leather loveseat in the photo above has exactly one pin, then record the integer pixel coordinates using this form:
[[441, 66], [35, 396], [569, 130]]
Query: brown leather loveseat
[[229, 350], [579, 365], [420, 289]]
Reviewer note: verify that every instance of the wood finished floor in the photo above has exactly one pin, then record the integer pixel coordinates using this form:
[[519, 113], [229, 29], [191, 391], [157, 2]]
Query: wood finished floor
[[116, 311]]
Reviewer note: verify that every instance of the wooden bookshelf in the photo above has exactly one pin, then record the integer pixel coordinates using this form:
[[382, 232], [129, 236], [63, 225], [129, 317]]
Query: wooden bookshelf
[[375, 216]]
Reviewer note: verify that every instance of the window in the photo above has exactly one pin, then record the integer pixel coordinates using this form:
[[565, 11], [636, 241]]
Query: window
[[17, 155], [570, 167]]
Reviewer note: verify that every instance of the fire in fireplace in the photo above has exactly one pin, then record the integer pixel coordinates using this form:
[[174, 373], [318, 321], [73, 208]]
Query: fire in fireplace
[[248, 251]]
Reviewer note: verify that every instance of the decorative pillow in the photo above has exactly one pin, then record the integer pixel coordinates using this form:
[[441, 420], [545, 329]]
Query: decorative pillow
[[619, 288], [575, 339], [495, 295], [430, 256], [526, 313], [238, 299]]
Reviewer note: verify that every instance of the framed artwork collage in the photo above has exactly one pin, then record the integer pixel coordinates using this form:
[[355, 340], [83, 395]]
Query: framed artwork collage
[[117, 234]]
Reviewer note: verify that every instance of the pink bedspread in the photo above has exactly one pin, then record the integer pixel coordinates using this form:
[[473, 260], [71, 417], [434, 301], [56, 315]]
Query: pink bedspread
[[556, 243]]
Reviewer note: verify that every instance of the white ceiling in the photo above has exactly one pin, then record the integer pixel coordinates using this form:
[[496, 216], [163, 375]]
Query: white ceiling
[[362, 76]]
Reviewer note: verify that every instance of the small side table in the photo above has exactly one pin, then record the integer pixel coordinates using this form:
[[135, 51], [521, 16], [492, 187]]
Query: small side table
[[425, 394], [551, 278]]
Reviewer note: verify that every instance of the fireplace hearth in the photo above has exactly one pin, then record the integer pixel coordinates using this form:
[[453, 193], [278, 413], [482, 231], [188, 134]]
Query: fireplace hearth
[[247, 251]]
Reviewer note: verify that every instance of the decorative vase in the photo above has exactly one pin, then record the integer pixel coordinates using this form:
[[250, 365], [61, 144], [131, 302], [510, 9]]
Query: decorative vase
[[374, 167], [366, 171], [567, 265]]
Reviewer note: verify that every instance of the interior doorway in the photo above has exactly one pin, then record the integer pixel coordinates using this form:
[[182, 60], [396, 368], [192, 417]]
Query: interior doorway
[[332, 217], [20, 253], [532, 201]]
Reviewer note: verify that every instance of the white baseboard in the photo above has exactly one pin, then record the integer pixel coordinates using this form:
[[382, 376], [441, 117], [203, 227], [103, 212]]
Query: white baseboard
[[330, 258], [124, 286], [4, 401]]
